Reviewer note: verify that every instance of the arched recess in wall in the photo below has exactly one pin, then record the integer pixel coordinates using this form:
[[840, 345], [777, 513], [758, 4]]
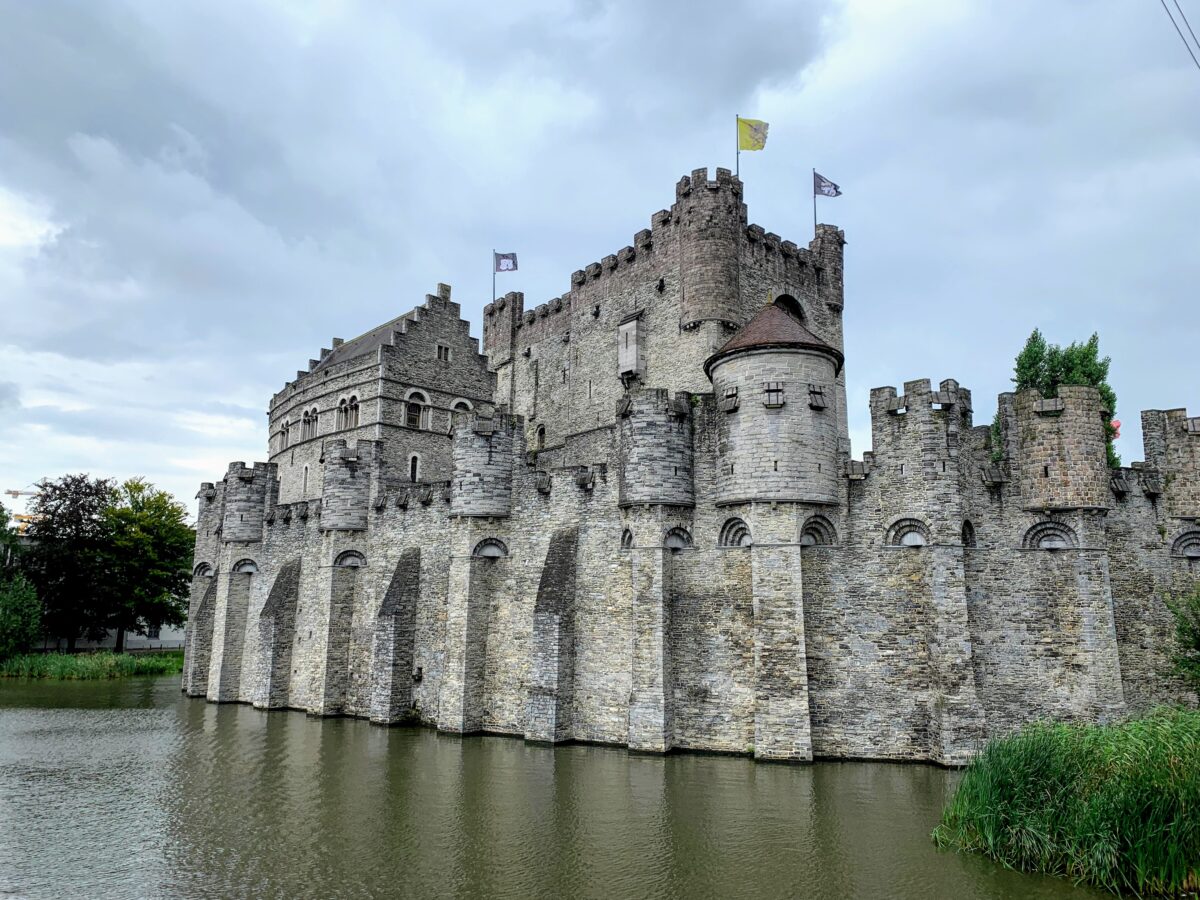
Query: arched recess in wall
[[414, 467], [677, 539], [539, 438], [790, 305], [908, 533], [416, 409], [968, 534], [1049, 536], [735, 533], [349, 559], [247, 566], [490, 548], [459, 405], [1187, 545], [204, 570], [626, 539], [818, 531]]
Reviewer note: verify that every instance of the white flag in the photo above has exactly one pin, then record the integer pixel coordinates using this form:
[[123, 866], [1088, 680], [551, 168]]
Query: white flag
[[504, 262], [825, 187]]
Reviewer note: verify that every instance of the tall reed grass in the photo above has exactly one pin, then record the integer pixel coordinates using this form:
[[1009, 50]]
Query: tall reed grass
[[102, 664], [1115, 806]]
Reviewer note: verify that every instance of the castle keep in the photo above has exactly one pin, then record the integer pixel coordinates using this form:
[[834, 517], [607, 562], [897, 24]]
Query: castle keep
[[634, 518]]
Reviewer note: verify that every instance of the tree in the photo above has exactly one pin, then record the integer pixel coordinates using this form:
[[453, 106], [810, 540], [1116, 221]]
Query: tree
[[9, 541], [1048, 367], [148, 560], [20, 614], [1186, 660], [66, 555]]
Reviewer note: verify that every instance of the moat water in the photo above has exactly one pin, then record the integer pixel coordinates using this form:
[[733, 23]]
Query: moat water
[[129, 789]]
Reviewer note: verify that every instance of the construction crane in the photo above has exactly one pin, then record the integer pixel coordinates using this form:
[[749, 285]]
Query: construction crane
[[16, 494]]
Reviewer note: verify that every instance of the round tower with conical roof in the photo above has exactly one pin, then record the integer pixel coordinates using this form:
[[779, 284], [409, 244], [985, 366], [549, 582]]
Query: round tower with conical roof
[[775, 384]]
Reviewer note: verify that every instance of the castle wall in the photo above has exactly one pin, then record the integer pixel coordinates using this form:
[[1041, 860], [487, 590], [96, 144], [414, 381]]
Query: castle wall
[[577, 562]]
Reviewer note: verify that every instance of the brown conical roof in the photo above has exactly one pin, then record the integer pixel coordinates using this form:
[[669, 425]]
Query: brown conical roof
[[773, 326]]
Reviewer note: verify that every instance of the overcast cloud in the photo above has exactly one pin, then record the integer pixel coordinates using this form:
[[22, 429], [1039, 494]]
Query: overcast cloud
[[195, 197]]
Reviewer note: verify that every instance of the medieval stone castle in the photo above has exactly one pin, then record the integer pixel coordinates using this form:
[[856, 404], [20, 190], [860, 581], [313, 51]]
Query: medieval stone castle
[[634, 518]]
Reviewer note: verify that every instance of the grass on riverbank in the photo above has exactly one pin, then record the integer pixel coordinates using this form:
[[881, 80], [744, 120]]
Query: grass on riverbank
[[102, 664], [1115, 806]]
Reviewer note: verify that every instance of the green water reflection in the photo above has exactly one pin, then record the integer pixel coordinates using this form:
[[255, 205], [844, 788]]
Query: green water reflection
[[128, 789]]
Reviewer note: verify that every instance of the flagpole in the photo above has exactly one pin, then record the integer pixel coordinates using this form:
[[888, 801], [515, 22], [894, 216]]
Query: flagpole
[[814, 190], [494, 273], [737, 143]]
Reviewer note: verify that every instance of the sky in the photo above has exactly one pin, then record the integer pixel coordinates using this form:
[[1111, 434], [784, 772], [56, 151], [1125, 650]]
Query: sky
[[196, 197]]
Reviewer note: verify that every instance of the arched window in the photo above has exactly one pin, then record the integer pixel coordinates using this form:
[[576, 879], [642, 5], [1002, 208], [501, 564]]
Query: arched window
[[343, 413], [540, 438], [626, 539], [908, 533], [352, 412], [415, 410], [285, 436], [204, 570], [304, 435], [1049, 536], [414, 467], [349, 559], [818, 531], [247, 566], [1187, 545], [734, 533], [304, 485], [968, 534], [490, 548], [677, 539]]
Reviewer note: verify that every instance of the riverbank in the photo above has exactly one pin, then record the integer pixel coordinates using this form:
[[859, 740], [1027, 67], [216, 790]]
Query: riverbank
[[1115, 806], [89, 666]]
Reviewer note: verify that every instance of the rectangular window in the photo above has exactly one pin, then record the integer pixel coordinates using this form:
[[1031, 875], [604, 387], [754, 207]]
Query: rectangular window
[[773, 394], [730, 402], [816, 397], [443, 353]]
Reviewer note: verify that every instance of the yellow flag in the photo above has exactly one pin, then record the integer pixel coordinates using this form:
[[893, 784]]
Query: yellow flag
[[752, 134]]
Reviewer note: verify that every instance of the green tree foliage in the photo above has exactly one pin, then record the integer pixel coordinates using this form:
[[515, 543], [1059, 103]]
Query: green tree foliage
[[1186, 660], [1048, 367], [67, 554], [148, 560], [20, 615]]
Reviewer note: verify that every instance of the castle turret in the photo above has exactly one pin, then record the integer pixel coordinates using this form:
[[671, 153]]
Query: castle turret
[[349, 467], [777, 411], [656, 448], [1060, 446], [484, 447], [245, 501], [1172, 441], [916, 439], [710, 218]]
